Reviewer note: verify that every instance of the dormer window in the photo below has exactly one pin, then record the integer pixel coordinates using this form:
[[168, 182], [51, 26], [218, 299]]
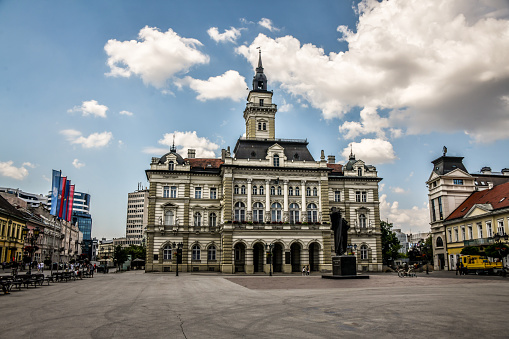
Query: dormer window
[[276, 160], [171, 166], [359, 171]]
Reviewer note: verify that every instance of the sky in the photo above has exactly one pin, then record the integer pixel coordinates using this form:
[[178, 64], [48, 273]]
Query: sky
[[97, 88]]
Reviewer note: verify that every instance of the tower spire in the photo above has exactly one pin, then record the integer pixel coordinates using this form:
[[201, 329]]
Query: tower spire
[[259, 80], [173, 148]]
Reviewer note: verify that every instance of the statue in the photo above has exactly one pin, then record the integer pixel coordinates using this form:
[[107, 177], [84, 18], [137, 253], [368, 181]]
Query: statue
[[340, 228]]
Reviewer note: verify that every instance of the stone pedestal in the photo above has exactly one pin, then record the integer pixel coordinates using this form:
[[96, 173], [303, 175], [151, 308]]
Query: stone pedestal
[[344, 265]]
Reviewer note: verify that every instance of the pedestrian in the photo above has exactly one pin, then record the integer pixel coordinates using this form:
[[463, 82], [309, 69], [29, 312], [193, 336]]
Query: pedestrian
[[462, 269], [307, 270], [303, 270], [457, 268]]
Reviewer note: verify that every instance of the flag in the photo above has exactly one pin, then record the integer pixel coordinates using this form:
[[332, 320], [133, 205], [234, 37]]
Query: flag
[[61, 196], [54, 192], [66, 200], [70, 202]]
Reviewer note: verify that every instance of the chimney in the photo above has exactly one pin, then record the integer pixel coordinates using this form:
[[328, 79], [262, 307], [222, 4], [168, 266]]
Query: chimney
[[486, 170], [191, 153], [223, 154], [331, 159], [505, 171]]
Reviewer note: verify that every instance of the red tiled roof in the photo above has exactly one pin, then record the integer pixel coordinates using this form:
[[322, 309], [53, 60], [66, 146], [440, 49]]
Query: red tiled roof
[[204, 163], [336, 167], [498, 197]]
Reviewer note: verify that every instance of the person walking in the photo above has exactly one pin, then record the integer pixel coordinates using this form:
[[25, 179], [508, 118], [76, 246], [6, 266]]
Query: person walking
[[458, 268], [307, 270], [303, 270]]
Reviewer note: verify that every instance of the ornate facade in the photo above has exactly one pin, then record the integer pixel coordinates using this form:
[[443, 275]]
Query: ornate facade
[[270, 196]]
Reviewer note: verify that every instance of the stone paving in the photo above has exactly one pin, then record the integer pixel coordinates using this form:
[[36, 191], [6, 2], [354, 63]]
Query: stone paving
[[160, 305]]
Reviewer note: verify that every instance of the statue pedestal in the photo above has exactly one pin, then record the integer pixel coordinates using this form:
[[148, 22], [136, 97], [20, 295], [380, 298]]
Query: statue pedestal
[[344, 267]]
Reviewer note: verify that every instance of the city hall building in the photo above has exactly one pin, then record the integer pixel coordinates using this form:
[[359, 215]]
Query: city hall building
[[263, 207]]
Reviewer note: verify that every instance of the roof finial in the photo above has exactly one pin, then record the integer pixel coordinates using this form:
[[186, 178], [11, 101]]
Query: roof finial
[[352, 156], [445, 150], [173, 148]]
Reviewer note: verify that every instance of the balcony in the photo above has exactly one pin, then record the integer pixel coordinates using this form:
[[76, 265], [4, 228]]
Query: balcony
[[478, 242]]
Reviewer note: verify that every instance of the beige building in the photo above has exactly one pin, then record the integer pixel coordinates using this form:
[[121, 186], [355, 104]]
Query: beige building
[[270, 196], [137, 216]]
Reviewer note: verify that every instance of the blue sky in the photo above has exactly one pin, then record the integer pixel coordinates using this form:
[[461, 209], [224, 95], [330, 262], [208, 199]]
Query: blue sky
[[97, 88]]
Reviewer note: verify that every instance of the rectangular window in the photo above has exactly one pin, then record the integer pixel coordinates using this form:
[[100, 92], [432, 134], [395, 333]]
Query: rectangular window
[[261, 102], [449, 231], [358, 196], [173, 192], [458, 181], [479, 230], [470, 233], [488, 229], [463, 233], [433, 214], [166, 191], [213, 193], [456, 235], [197, 193], [337, 196], [364, 196], [440, 211], [500, 228]]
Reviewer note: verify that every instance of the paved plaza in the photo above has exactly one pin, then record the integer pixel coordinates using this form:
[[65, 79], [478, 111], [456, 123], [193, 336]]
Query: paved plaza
[[160, 305]]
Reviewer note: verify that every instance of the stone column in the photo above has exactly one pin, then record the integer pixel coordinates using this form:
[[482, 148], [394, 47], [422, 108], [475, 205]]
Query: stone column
[[249, 216], [319, 201], [267, 199], [285, 195], [304, 215], [304, 257], [249, 261]]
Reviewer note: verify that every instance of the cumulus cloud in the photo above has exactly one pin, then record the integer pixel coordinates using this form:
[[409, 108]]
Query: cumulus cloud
[[415, 219], [284, 106], [186, 140], [130, 114], [229, 35], [398, 190], [77, 164], [371, 151], [230, 85], [267, 23], [94, 140], [7, 169], [433, 65], [155, 57], [91, 107]]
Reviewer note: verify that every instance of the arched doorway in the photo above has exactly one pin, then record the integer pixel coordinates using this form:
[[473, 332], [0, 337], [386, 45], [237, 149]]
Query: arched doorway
[[258, 257], [277, 251], [314, 256], [295, 257], [239, 257]]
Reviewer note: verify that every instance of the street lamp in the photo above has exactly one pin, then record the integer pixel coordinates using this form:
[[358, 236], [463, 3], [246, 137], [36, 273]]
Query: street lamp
[[179, 247], [31, 239], [269, 248]]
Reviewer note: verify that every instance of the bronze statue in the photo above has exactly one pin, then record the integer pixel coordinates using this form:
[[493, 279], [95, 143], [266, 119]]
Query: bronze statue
[[340, 228]]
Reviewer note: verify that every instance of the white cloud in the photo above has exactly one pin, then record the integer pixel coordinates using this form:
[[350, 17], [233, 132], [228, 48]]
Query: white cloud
[[91, 107], [186, 140], [398, 190], [229, 35], [94, 140], [230, 85], [130, 114], [370, 122], [19, 173], [76, 163], [434, 65], [371, 151], [415, 219], [155, 57], [267, 23], [284, 107]]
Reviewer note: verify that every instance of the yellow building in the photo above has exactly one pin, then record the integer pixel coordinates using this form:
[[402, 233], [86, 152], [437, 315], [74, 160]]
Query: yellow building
[[11, 240], [477, 220]]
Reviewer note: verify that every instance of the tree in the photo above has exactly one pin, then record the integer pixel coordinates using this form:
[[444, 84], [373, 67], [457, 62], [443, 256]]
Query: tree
[[120, 255], [497, 250], [470, 250], [390, 243]]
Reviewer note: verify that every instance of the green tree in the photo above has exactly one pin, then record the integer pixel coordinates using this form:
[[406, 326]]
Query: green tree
[[497, 250], [120, 255], [136, 252], [470, 250], [390, 243]]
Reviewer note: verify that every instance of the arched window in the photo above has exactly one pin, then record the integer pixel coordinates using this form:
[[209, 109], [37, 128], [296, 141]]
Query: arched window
[[294, 213], [243, 189], [171, 165], [211, 253], [272, 190], [308, 191], [196, 253], [297, 191], [264, 126], [440, 242], [169, 218], [276, 160], [236, 189], [362, 221], [315, 192], [167, 252], [312, 213], [212, 219], [261, 190], [255, 190], [259, 126], [364, 252], [290, 191], [279, 190], [258, 212], [240, 211], [275, 210], [197, 219]]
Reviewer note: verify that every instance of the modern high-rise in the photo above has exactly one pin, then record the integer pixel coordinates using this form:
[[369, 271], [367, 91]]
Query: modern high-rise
[[81, 214], [136, 224]]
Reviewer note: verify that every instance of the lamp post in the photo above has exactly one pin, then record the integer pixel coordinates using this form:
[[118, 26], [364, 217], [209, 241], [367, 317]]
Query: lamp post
[[31, 239], [179, 247], [268, 248]]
